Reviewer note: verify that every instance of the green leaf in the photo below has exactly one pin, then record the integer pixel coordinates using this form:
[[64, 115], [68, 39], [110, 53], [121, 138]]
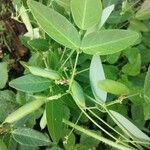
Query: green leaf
[[146, 107], [87, 142], [130, 127], [108, 41], [7, 103], [70, 143], [113, 58], [64, 3], [77, 94], [2, 145], [30, 137], [147, 85], [105, 14], [55, 112], [55, 25], [97, 74], [147, 96], [3, 74], [133, 68], [12, 145], [144, 12], [30, 83], [86, 13], [39, 44], [113, 87], [45, 73], [138, 26]]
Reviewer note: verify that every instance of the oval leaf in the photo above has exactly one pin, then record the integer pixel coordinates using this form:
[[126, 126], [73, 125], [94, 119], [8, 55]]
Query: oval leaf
[[55, 112], [130, 127], [97, 74], [55, 25], [3, 74], [64, 3], [113, 87], [30, 137], [39, 44], [86, 13], [30, 83], [108, 41], [147, 85], [46, 73], [105, 14], [77, 94]]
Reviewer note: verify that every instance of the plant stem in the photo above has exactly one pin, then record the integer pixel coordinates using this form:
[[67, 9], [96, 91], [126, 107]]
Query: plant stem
[[98, 137], [95, 123], [66, 59], [82, 71], [122, 128], [106, 124], [74, 70], [63, 54]]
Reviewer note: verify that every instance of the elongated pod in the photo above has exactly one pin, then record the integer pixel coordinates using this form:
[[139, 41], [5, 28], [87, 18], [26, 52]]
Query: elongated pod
[[24, 110]]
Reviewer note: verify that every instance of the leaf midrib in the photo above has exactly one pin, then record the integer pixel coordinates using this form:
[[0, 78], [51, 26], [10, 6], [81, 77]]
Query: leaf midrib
[[31, 83], [106, 43], [52, 26], [24, 135], [84, 14]]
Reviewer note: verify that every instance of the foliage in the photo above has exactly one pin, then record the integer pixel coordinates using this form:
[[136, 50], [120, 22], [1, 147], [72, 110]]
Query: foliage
[[86, 84]]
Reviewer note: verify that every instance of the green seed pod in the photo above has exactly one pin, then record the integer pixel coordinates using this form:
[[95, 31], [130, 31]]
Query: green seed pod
[[24, 110], [77, 94], [113, 87], [51, 74]]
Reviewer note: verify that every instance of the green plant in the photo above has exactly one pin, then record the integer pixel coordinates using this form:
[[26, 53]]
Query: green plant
[[68, 39]]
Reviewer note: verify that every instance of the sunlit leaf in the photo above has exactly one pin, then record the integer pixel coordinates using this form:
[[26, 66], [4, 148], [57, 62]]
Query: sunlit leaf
[[86, 13], [130, 127], [108, 41], [55, 25], [30, 83], [97, 74]]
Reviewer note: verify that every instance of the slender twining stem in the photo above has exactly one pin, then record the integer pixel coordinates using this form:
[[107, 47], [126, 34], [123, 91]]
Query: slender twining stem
[[67, 137], [106, 110], [74, 70], [63, 54], [122, 128], [66, 60], [96, 124], [106, 123], [84, 70], [71, 64], [98, 137]]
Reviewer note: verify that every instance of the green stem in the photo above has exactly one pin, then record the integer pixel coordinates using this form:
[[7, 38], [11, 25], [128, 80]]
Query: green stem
[[106, 124], [100, 138], [74, 70], [75, 123], [63, 54], [84, 70], [96, 124], [66, 59], [122, 128]]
